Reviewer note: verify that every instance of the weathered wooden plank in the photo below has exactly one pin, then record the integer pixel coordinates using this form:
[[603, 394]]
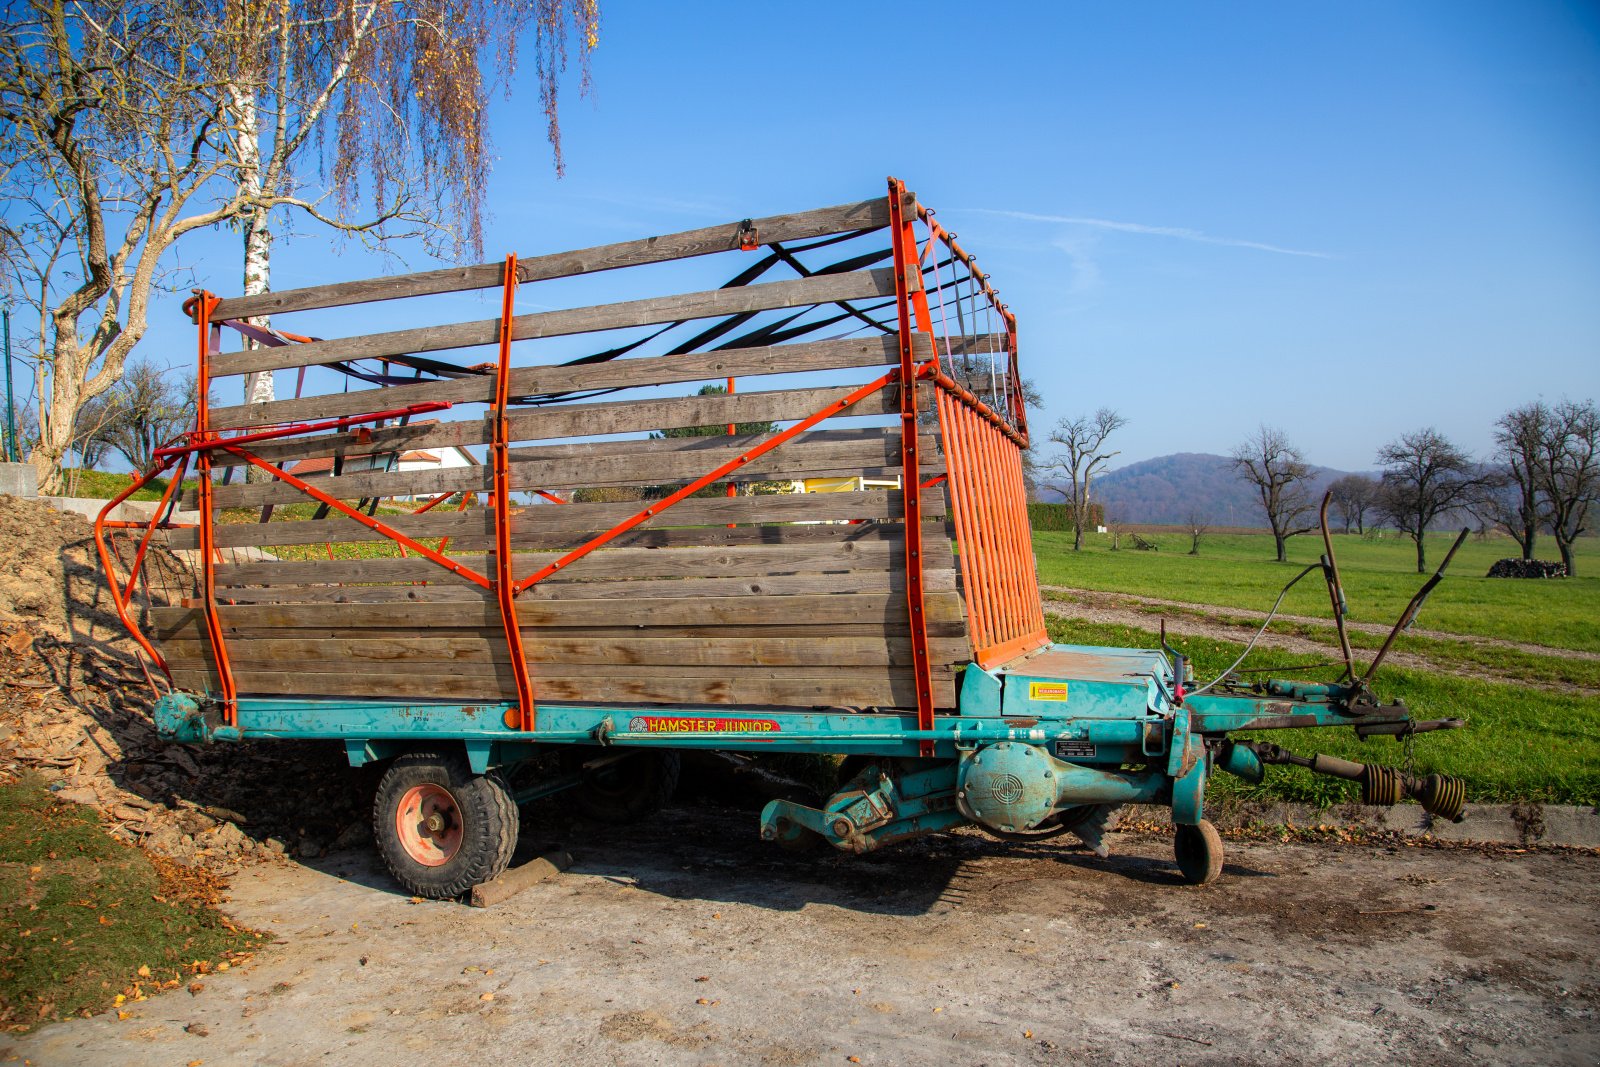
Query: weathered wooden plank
[[797, 519], [710, 303], [872, 452], [438, 652], [584, 420], [843, 218], [678, 537], [850, 687], [840, 553], [942, 610], [871, 580]]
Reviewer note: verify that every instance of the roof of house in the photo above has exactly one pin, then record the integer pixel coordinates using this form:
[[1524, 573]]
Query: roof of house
[[324, 464]]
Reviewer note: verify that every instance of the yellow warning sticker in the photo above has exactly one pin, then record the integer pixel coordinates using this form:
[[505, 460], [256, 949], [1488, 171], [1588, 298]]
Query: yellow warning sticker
[[1047, 691]]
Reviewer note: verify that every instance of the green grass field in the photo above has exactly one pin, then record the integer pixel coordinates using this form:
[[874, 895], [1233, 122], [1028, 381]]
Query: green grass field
[[87, 922], [103, 485], [1238, 571], [1519, 744], [1524, 741]]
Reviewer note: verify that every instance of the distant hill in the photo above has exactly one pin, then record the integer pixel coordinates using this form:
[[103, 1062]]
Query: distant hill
[[1165, 489]]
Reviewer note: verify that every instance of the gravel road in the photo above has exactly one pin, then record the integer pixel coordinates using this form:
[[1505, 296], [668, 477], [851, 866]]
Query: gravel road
[[687, 941]]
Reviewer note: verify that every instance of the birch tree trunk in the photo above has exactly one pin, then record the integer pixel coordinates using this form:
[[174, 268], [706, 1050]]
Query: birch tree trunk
[[258, 388]]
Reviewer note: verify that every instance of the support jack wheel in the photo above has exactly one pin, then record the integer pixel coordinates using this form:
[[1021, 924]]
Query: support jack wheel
[[1198, 849]]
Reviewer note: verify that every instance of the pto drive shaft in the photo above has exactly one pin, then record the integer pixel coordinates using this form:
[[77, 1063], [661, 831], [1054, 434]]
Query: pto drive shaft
[[1439, 794]]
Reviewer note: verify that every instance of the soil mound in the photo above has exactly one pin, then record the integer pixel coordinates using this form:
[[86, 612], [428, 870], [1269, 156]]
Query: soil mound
[[75, 699]]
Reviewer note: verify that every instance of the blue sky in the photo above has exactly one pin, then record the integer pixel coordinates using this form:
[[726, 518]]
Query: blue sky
[[1350, 220]]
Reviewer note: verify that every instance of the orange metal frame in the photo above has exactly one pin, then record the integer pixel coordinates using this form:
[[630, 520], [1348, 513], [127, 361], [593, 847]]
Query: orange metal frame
[[983, 454]]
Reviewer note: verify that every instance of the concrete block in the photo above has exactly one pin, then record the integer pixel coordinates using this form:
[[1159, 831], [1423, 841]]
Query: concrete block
[[19, 479]]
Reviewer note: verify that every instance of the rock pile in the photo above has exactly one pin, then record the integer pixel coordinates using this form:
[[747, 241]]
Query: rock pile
[[1527, 568]]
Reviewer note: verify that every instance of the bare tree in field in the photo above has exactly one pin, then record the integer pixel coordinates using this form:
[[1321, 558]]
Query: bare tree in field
[[1569, 472], [1510, 499], [1084, 439], [1278, 470], [148, 409], [1198, 528], [1353, 496], [1424, 475]]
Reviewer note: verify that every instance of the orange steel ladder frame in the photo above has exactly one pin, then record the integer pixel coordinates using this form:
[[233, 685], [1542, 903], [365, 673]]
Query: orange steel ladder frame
[[983, 454]]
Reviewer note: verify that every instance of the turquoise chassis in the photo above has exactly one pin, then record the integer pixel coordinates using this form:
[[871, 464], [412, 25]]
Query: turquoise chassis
[[1039, 746]]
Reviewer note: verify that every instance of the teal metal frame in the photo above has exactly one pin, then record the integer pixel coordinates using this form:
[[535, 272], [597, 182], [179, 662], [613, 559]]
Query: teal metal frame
[[1070, 725]]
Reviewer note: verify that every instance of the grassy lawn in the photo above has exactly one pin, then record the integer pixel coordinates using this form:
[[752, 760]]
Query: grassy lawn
[[1237, 570], [88, 923], [103, 485], [1519, 744], [1510, 664]]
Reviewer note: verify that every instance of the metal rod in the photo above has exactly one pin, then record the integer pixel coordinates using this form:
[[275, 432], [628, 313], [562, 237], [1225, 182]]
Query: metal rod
[[1408, 616], [13, 447], [1335, 588]]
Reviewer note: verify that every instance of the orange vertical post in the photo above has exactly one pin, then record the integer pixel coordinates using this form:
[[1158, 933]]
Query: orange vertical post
[[204, 304], [908, 280], [504, 583]]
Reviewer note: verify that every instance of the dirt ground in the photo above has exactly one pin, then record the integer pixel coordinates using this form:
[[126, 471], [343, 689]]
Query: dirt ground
[[688, 941]]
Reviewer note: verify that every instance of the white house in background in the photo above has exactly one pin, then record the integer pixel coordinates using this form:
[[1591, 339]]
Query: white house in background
[[432, 459]]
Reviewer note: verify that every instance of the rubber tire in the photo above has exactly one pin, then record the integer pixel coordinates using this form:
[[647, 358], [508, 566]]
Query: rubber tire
[[488, 817], [645, 786], [1198, 850]]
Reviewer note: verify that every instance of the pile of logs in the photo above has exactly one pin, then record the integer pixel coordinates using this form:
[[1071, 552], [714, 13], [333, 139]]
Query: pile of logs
[[1527, 568]]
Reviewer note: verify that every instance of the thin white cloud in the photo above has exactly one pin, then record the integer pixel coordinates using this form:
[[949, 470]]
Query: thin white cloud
[[1180, 233]]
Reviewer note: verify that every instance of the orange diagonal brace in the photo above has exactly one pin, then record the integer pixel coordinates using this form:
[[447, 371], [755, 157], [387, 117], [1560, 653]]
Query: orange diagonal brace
[[362, 517], [854, 397]]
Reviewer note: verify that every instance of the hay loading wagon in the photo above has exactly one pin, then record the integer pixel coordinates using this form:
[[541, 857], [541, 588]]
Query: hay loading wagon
[[622, 568]]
